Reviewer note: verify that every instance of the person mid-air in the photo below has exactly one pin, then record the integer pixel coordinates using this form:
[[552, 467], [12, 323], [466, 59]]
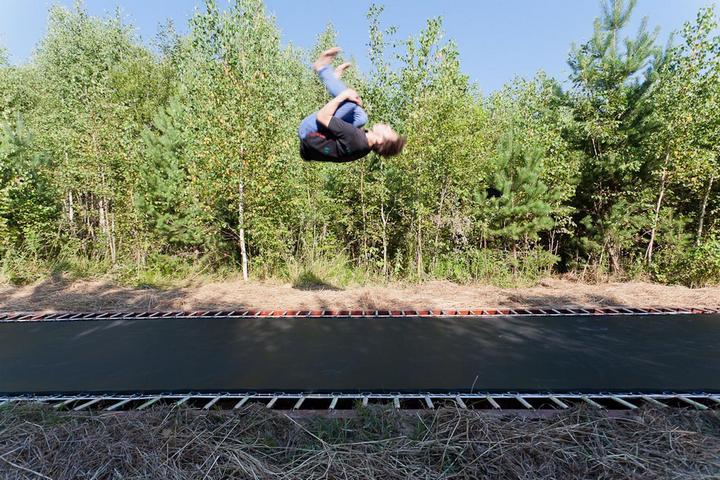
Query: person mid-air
[[335, 133]]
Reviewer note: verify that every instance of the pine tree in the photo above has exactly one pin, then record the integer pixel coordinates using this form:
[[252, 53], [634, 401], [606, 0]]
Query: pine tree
[[27, 198], [610, 77], [165, 201], [524, 205]]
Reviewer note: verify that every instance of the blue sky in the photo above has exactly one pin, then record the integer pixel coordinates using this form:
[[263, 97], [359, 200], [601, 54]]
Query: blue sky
[[498, 40]]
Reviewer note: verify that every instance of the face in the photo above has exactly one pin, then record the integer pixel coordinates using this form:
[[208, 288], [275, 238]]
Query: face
[[384, 133]]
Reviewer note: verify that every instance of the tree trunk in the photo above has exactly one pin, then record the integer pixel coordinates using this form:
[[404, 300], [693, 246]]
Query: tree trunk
[[704, 209], [364, 247], [113, 247], [601, 260], [439, 224], [71, 211], [102, 218], [649, 251], [105, 220], [70, 203], [615, 260], [418, 256], [89, 204], [383, 217], [241, 229]]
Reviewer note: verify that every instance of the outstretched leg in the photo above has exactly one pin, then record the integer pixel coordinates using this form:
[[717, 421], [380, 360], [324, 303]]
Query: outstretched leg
[[348, 111]]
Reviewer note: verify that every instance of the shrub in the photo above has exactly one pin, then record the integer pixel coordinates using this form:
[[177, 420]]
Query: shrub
[[694, 267]]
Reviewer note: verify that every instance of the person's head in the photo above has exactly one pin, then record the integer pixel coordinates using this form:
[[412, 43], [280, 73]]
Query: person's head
[[387, 142]]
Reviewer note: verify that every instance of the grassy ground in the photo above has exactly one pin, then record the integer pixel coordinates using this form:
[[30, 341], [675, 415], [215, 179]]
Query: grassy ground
[[64, 294], [38, 442]]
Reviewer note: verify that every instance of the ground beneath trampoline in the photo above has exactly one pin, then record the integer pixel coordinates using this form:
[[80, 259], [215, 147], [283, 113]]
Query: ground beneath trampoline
[[253, 442], [60, 294]]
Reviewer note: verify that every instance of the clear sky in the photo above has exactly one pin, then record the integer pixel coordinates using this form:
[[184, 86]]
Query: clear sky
[[498, 40]]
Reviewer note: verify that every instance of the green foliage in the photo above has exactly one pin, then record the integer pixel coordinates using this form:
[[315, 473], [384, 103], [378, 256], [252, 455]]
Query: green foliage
[[165, 199], [609, 84], [495, 267], [324, 272], [694, 266], [27, 201], [524, 209], [155, 166], [161, 270]]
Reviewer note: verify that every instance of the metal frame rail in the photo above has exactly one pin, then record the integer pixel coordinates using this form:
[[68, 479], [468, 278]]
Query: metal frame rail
[[508, 402], [25, 316]]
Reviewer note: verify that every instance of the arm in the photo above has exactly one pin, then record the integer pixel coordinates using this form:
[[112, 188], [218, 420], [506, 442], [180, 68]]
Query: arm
[[326, 113]]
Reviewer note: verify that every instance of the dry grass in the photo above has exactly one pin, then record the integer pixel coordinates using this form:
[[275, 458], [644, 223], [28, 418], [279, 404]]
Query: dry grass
[[59, 294], [37, 442]]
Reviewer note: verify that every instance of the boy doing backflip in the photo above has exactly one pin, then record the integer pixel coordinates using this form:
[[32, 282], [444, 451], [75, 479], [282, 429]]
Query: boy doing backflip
[[335, 133]]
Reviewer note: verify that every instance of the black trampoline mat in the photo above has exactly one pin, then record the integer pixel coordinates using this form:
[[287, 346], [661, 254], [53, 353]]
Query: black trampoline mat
[[633, 353]]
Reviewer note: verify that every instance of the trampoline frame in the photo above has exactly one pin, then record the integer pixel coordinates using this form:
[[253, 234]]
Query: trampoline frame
[[474, 312], [508, 402]]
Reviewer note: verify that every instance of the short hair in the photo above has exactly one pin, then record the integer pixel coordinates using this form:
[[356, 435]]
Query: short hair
[[390, 148]]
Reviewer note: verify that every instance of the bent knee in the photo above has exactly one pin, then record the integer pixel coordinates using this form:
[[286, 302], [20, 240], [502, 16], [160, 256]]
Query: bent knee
[[361, 117]]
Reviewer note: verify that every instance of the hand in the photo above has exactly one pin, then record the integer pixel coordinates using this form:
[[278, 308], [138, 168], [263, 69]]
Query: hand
[[352, 96]]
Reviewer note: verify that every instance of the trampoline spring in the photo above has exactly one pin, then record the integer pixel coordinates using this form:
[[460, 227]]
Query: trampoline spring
[[624, 403], [149, 403], [85, 405], [64, 403], [119, 404], [653, 401], [524, 402], [591, 402], [691, 402], [492, 402], [559, 402]]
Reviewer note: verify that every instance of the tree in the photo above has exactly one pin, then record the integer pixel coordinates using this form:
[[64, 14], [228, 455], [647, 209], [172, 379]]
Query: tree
[[165, 199], [240, 87], [89, 120], [525, 204], [27, 202], [540, 114], [609, 82], [440, 166], [681, 105], [111, 151], [704, 49]]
